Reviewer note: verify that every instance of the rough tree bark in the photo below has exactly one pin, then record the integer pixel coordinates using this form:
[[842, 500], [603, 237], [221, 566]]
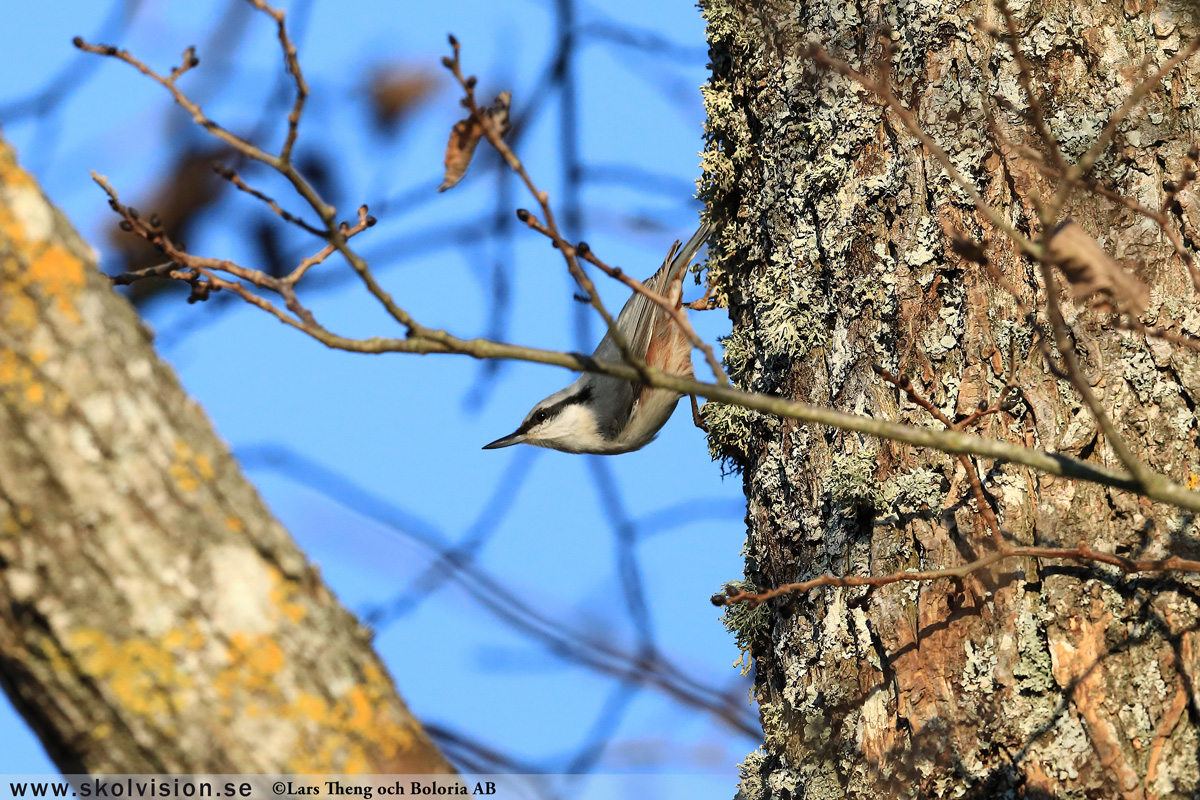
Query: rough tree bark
[[154, 616], [1048, 679]]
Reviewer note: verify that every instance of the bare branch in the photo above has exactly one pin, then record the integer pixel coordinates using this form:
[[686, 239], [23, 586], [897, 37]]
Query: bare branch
[[1082, 553], [292, 61], [495, 138], [232, 176]]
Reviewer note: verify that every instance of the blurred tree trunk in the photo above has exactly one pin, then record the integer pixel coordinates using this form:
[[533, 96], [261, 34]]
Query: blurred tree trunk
[[1035, 679], [154, 616]]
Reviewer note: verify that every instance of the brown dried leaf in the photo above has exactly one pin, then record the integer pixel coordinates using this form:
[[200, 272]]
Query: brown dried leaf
[[465, 136], [395, 92], [1090, 271]]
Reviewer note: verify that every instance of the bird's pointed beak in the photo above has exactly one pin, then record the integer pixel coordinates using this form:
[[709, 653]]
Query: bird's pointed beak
[[515, 437]]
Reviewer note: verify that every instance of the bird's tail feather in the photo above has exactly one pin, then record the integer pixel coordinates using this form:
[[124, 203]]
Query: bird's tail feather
[[685, 254]]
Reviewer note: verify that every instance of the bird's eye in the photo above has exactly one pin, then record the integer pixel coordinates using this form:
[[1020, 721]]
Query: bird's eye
[[540, 417]]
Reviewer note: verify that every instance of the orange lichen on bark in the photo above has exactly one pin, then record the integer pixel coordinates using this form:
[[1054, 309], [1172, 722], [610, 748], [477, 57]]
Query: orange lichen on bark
[[359, 731], [254, 664], [20, 385], [189, 469], [141, 673], [58, 276], [283, 595], [40, 269], [11, 173]]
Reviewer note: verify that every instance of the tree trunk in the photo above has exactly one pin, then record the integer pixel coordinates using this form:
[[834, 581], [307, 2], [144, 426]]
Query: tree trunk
[[1047, 679], [154, 616]]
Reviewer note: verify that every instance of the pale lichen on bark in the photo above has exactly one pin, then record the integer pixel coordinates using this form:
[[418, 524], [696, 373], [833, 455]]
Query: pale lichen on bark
[[1039, 678]]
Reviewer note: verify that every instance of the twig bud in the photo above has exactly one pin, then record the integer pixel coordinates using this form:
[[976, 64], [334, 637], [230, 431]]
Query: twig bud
[[717, 600], [447, 62], [904, 382], [452, 39], [78, 42], [582, 249], [126, 226], [523, 214], [471, 81], [200, 291], [1194, 152], [370, 221], [133, 212], [156, 220]]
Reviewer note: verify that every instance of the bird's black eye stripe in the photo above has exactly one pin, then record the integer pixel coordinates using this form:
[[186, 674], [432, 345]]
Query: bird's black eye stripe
[[543, 414]]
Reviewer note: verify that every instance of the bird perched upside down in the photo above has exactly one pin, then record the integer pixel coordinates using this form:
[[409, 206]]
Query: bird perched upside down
[[606, 415]]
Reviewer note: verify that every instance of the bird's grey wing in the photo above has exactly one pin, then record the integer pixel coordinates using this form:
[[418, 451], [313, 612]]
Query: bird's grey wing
[[637, 317]]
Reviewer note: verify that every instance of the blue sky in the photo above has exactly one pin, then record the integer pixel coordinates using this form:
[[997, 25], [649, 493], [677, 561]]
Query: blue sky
[[357, 454]]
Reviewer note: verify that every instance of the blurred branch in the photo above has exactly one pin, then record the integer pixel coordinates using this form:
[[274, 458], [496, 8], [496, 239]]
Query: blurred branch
[[506, 605], [634, 38]]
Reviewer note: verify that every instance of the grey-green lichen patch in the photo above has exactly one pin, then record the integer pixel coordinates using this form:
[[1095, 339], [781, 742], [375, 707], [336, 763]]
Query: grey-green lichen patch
[[1034, 669], [774, 725], [764, 776], [753, 774], [729, 431], [1140, 373], [851, 481], [1011, 335], [979, 666], [916, 490], [1179, 762], [1067, 741], [792, 320], [912, 20], [739, 355], [945, 334], [751, 627]]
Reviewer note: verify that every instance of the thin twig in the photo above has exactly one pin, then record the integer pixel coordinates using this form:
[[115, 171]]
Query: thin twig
[[496, 139], [981, 501], [1066, 348], [232, 176], [637, 286], [1082, 553], [884, 92], [1025, 76], [292, 60]]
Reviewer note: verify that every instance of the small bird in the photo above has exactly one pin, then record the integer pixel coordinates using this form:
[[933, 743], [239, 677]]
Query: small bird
[[606, 415]]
